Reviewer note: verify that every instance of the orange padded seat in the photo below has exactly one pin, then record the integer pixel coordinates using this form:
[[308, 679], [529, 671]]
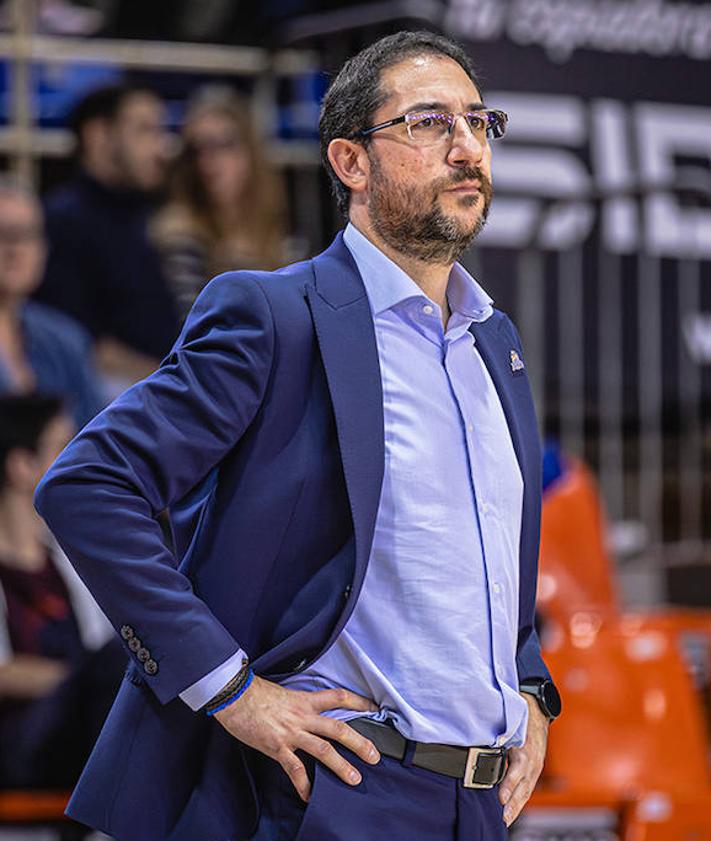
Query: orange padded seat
[[576, 571], [633, 737], [31, 806]]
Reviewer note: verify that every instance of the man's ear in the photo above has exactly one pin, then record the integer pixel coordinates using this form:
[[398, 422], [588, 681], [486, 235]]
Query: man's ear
[[350, 163]]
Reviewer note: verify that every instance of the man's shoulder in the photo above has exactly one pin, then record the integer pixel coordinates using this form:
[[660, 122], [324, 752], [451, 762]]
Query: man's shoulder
[[265, 296], [69, 200], [279, 283], [282, 291], [287, 277], [69, 192]]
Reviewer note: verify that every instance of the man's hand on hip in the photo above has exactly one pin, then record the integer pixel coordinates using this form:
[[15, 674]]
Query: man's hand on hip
[[525, 763], [278, 721]]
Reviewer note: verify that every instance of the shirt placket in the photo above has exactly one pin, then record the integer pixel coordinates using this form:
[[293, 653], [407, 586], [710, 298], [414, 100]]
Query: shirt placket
[[461, 370]]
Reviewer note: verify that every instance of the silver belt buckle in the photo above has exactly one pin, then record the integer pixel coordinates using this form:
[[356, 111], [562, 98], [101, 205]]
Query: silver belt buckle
[[470, 768]]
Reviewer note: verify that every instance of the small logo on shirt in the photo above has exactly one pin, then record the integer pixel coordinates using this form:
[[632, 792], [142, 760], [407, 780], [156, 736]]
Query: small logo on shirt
[[516, 362]]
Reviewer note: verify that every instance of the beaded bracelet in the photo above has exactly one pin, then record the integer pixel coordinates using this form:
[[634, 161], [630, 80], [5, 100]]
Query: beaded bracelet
[[249, 675]]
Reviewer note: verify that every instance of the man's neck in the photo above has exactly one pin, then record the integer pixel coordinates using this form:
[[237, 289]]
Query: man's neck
[[432, 278], [103, 173], [20, 544], [98, 171]]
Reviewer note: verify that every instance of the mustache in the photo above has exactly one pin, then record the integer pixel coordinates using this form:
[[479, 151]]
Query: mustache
[[468, 173]]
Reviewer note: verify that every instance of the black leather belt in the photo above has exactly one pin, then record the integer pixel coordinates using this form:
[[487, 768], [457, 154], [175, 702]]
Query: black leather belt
[[476, 767]]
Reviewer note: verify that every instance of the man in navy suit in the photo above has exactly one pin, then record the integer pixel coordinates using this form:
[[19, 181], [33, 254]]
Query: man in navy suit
[[340, 643]]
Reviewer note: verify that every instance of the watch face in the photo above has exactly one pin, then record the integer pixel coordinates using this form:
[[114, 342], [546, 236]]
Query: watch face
[[551, 698]]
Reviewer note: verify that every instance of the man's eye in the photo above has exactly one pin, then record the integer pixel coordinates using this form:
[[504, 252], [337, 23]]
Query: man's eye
[[477, 122], [428, 122]]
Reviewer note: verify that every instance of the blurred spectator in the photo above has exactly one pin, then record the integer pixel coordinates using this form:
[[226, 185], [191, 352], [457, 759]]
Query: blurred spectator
[[60, 663], [102, 269], [40, 349], [227, 208]]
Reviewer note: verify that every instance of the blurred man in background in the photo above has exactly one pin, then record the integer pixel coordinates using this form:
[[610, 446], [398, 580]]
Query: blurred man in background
[[54, 691], [41, 349], [102, 268]]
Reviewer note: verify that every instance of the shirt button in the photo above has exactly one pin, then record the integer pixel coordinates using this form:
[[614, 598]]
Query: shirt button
[[497, 587], [428, 309], [470, 427]]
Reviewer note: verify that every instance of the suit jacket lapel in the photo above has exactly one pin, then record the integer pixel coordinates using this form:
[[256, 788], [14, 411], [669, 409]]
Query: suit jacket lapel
[[346, 337], [495, 347]]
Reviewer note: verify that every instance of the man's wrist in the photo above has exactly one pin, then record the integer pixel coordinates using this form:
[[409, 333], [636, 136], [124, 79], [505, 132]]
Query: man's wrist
[[205, 688], [232, 690], [535, 710], [545, 694]]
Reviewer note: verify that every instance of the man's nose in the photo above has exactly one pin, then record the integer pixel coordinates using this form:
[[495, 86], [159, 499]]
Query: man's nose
[[465, 146]]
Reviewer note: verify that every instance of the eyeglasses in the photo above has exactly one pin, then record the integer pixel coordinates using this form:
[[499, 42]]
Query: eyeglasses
[[426, 128]]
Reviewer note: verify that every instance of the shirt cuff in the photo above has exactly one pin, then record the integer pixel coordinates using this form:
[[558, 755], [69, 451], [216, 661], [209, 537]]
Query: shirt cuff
[[205, 689]]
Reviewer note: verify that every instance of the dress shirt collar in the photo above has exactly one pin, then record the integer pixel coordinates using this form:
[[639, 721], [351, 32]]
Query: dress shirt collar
[[387, 284]]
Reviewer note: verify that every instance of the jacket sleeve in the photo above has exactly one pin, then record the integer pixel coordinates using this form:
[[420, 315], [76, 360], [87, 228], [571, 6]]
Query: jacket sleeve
[[144, 452], [529, 659]]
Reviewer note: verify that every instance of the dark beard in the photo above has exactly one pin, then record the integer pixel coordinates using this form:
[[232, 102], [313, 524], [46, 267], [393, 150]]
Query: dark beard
[[410, 219]]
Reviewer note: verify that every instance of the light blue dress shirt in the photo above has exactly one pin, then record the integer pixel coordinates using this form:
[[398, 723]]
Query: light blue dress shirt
[[432, 638]]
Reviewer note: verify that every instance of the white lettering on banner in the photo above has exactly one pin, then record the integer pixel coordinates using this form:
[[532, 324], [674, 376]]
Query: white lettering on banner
[[612, 160], [561, 27], [529, 165], [665, 132], [549, 197]]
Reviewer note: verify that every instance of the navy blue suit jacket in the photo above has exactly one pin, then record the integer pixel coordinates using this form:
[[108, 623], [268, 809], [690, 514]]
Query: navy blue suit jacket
[[263, 433]]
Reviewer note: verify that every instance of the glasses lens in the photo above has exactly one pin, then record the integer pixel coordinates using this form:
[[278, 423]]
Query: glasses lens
[[428, 127], [497, 121], [478, 122]]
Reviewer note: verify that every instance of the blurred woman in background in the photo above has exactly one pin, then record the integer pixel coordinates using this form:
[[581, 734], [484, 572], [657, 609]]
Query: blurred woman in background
[[226, 208]]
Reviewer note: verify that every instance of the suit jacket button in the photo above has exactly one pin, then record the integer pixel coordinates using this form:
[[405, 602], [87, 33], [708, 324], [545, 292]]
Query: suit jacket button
[[150, 667], [134, 644], [126, 632], [143, 654]]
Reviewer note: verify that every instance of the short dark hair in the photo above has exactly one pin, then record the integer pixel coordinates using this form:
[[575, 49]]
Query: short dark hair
[[102, 103], [355, 94], [23, 419]]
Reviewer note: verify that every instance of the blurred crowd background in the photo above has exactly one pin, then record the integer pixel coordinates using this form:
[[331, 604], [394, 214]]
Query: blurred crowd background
[[146, 147]]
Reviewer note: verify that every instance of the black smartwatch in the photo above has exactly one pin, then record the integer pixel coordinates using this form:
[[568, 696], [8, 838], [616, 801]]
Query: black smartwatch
[[545, 693]]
